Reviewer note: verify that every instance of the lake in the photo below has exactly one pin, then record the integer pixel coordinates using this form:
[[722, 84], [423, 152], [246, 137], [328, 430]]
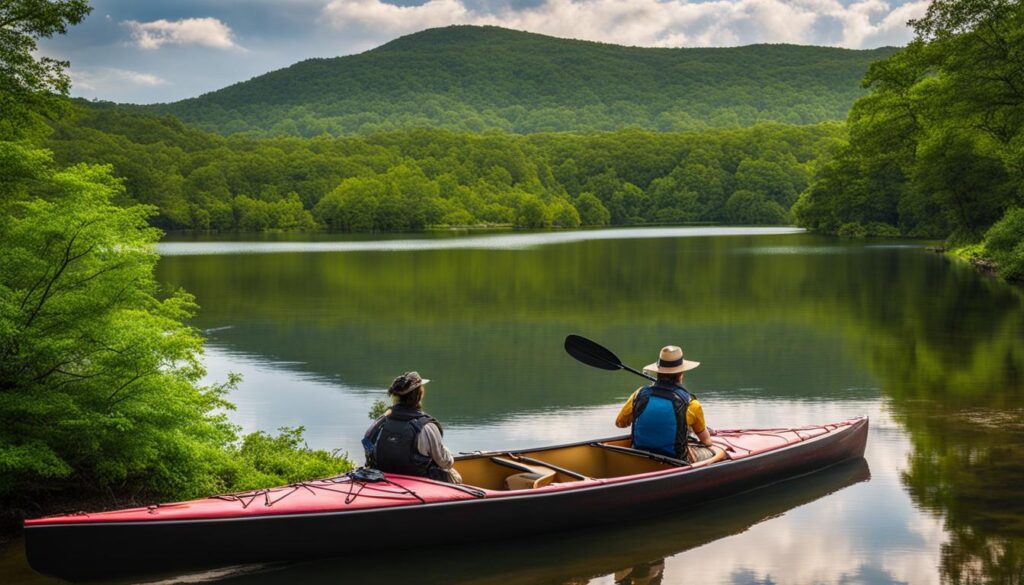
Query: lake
[[791, 329]]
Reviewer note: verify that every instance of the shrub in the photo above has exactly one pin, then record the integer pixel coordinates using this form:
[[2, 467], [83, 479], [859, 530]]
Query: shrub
[[1006, 233], [1004, 243], [591, 210], [853, 229], [563, 214], [459, 217], [265, 460], [748, 207], [882, 230], [99, 372], [875, 229], [532, 213]]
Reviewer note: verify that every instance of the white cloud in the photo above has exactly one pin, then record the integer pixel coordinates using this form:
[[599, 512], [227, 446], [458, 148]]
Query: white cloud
[[204, 32], [653, 23], [105, 78]]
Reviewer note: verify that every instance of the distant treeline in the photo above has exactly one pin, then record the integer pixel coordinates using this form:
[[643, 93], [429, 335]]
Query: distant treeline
[[936, 149], [473, 79], [413, 179]]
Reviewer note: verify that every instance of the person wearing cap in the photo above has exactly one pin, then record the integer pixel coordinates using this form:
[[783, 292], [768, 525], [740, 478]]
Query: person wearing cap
[[407, 440], [663, 413]]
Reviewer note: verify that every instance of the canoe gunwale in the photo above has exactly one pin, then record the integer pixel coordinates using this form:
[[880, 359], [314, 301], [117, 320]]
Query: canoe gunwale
[[552, 490]]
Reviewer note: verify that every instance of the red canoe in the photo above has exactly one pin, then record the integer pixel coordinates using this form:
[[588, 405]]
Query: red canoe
[[506, 493]]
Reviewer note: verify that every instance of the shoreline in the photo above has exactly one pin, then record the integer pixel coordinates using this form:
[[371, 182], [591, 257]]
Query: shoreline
[[972, 255], [441, 228]]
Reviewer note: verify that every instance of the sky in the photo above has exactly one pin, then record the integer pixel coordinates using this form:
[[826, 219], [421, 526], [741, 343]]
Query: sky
[[165, 50]]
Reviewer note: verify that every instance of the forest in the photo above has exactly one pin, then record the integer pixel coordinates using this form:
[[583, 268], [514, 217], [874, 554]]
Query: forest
[[412, 179], [936, 148], [473, 79]]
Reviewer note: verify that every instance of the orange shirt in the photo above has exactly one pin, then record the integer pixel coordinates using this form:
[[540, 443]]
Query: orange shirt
[[694, 415]]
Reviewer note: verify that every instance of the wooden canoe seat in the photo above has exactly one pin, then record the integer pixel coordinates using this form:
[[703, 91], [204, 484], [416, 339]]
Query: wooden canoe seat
[[529, 477]]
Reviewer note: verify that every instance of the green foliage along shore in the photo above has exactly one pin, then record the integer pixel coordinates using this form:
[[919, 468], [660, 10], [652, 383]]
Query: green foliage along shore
[[412, 179], [936, 149], [99, 374], [101, 394], [473, 79]]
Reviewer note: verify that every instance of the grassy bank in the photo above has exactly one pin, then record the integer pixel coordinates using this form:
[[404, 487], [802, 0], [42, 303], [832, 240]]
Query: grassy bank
[[1002, 250]]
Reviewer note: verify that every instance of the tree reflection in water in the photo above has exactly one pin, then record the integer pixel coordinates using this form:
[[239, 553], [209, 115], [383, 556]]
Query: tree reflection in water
[[952, 367], [944, 345]]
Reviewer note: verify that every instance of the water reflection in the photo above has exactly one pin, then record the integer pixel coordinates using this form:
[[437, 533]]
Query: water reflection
[[792, 329], [488, 324]]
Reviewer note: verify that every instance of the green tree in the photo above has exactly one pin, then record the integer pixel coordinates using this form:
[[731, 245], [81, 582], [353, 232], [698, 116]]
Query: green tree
[[99, 372], [604, 185], [563, 214], [87, 349], [673, 203], [32, 86], [702, 175], [351, 206], [532, 213], [972, 185], [747, 207], [852, 190], [567, 175], [630, 204], [591, 210], [936, 148], [768, 179]]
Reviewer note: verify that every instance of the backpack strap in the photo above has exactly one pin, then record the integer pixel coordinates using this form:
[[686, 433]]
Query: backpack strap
[[369, 441], [639, 404], [429, 419]]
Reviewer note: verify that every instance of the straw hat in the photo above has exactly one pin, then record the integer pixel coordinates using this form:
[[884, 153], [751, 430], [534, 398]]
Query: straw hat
[[671, 361], [406, 383]]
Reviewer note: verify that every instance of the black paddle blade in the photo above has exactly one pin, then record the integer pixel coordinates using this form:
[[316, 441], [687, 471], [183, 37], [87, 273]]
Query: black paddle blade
[[591, 353]]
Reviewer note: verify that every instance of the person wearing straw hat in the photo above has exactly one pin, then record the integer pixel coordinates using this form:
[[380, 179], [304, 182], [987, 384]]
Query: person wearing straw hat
[[407, 440], [663, 413]]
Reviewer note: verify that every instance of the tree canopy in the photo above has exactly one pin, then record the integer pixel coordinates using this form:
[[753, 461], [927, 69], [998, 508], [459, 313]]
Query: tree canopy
[[411, 179], [99, 372], [31, 86], [935, 149]]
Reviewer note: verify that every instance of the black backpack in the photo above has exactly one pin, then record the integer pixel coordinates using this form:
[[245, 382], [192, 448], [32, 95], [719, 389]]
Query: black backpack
[[394, 447]]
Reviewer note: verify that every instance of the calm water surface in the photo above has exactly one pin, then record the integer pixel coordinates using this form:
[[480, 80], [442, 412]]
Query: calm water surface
[[790, 328]]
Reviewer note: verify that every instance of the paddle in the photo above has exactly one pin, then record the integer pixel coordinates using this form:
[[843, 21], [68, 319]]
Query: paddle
[[597, 356]]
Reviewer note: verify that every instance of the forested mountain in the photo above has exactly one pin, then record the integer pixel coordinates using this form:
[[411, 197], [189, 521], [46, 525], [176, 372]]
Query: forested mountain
[[411, 179], [470, 78]]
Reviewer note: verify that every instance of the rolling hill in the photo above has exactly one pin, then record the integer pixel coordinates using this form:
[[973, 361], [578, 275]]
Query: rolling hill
[[471, 78]]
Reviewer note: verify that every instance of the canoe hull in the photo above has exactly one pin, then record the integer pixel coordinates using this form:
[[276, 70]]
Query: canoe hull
[[85, 550]]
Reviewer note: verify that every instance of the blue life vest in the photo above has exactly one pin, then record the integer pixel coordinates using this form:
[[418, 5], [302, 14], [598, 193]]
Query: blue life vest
[[659, 419]]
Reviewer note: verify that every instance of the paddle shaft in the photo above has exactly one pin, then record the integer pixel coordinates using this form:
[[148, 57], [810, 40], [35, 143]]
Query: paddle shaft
[[639, 373]]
